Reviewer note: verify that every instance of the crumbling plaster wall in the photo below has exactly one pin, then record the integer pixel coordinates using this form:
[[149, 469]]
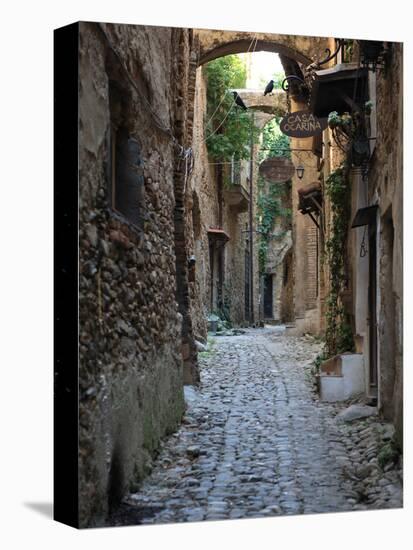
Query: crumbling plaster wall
[[131, 368]]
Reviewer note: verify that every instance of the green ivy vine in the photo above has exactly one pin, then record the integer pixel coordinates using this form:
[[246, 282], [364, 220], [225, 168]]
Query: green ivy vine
[[228, 129], [269, 209], [339, 337]]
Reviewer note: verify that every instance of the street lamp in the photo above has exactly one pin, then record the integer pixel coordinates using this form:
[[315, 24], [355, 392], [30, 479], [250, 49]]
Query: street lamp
[[300, 171]]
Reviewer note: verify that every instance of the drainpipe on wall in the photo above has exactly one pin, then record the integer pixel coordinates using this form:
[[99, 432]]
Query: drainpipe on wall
[[220, 266], [251, 224]]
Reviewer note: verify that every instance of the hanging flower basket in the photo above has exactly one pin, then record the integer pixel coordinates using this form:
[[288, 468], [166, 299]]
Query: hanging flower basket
[[350, 133]]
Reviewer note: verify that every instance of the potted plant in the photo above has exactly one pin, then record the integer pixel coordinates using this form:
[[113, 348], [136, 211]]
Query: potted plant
[[350, 132]]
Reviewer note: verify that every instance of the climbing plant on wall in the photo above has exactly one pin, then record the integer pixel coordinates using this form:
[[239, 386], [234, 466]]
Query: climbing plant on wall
[[228, 128], [269, 209], [339, 336], [274, 142]]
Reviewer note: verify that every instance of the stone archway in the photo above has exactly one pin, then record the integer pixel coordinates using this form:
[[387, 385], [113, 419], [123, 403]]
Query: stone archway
[[296, 52], [274, 104], [214, 44]]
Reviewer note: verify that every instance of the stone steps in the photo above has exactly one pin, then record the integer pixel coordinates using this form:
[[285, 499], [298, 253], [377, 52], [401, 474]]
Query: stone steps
[[342, 377]]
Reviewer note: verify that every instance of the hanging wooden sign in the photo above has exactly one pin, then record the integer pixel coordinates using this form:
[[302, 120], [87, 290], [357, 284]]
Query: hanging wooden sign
[[277, 169], [302, 124]]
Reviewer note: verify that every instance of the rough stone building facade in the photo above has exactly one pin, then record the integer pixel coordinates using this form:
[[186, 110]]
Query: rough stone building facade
[[133, 298], [374, 269], [220, 215], [378, 319]]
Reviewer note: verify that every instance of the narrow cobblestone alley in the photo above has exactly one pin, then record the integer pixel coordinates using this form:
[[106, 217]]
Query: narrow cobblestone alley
[[235, 314], [256, 442]]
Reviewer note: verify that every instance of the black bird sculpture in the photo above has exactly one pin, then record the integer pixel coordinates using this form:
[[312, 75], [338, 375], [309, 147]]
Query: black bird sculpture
[[239, 101], [269, 87]]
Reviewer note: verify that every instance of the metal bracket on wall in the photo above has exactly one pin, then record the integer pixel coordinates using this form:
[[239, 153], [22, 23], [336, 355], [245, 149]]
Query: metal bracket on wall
[[330, 55]]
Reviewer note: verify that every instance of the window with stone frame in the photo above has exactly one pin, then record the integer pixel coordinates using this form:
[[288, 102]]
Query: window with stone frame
[[126, 182]]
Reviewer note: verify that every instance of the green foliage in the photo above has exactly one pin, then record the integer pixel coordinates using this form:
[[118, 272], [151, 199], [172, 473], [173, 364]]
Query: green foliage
[[278, 80], [224, 73], [318, 360], [339, 337], [350, 132], [223, 320], [334, 120], [210, 348], [269, 209], [314, 369], [368, 106], [274, 142], [388, 454], [352, 125], [228, 128]]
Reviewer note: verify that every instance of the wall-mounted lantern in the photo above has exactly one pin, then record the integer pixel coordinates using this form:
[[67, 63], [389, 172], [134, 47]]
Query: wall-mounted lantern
[[300, 171], [373, 54]]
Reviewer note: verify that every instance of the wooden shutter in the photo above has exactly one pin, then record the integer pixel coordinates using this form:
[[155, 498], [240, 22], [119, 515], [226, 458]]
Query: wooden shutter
[[128, 178]]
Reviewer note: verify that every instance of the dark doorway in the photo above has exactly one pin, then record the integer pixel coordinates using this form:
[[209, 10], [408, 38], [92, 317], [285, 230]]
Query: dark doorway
[[373, 306], [268, 310]]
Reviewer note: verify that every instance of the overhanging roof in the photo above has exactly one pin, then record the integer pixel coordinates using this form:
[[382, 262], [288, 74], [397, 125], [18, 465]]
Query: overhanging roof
[[218, 235], [365, 216], [334, 89]]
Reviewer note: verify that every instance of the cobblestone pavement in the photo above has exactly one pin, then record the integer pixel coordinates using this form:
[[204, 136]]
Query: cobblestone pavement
[[256, 442]]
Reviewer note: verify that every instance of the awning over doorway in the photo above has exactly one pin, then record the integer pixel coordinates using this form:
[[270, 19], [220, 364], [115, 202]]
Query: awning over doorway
[[365, 216], [337, 89], [217, 236]]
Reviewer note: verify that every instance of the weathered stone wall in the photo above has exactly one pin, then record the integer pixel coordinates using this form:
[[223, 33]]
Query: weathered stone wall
[[305, 251], [216, 43], [386, 188], [287, 292], [234, 286], [131, 368], [278, 249], [278, 260], [205, 196]]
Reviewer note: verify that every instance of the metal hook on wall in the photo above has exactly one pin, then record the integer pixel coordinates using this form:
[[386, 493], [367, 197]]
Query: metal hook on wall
[[284, 84], [330, 55]]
